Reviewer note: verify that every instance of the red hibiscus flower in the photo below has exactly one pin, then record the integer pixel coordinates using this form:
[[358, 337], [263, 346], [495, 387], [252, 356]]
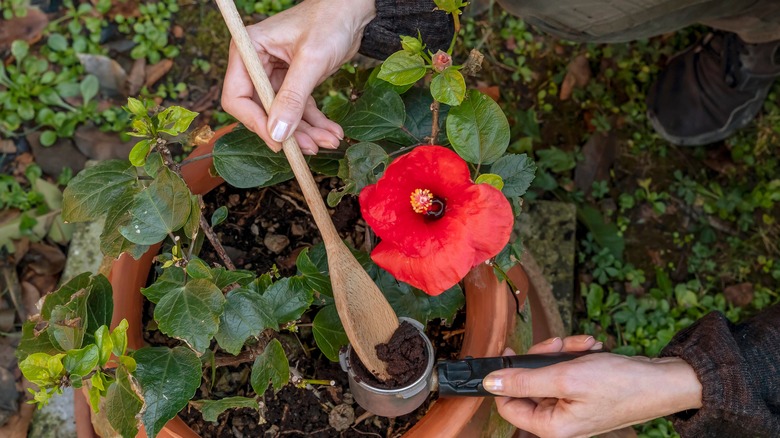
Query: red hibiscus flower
[[434, 222]]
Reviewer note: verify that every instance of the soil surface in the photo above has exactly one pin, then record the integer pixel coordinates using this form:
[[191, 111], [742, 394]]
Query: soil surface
[[405, 355], [255, 216]]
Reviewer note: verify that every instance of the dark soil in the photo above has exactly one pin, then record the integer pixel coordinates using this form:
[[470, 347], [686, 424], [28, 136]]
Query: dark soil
[[317, 410], [405, 355]]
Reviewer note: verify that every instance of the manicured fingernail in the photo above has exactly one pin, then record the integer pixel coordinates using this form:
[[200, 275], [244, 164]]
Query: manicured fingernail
[[493, 384], [551, 341], [588, 339], [597, 346], [509, 352], [280, 131]]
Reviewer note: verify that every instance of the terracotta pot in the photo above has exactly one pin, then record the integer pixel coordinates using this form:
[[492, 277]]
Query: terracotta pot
[[490, 326]]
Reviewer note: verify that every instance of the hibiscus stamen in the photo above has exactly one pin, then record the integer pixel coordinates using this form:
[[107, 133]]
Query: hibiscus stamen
[[425, 202]]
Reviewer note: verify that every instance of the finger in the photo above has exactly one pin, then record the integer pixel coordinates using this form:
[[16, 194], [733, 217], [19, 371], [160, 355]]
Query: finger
[[552, 345], [290, 102], [238, 99], [315, 117], [520, 382], [307, 145], [520, 412], [321, 137], [578, 343]]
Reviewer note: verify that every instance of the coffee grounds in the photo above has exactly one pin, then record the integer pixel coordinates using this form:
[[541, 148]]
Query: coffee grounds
[[405, 355]]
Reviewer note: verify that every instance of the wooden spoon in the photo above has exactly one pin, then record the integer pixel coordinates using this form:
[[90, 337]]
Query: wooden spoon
[[367, 316]]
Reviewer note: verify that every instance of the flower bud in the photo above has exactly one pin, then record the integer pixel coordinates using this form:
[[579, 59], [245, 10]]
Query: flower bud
[[411, 44], [441, 60]]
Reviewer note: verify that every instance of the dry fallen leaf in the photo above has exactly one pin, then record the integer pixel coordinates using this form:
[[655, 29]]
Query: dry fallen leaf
[[577, 76], [99, 145], [111, 76], [137, 76], [739, 295], [28, 28], [156, 71], [600, 152]]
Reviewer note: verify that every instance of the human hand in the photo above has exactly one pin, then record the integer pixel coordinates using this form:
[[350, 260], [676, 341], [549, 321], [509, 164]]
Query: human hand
[[592, 394], [299, 48]]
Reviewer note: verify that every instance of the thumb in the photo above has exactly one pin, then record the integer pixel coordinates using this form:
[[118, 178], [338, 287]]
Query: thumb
[[286, 111], [521, 382]]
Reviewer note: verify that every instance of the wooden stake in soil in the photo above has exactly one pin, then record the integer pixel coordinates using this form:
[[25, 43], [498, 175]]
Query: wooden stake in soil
[[367, 316]]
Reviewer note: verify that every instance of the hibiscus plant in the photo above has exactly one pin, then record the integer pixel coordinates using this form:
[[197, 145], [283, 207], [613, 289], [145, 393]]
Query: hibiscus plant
[[428, 160]]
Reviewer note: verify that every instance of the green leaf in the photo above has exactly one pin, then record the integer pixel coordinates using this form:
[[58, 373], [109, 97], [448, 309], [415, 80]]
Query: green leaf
[[312, 265], [57, 42], [243, 160], [168, 379], [33, 341], [478, 129], [171, 279], [100, 305], [557, 160], [419, 119], [161, 208], [210, 409], [192, 225], [81, 362], [219, 216], [43, 369], [329, 332], [89, 87], [491, 179], [224, 278], [19, 49], [104, 344], [364, 162], [123, 405], [112, 242], [197, 268], [175, 120], [94, 190], [449, 87], [271, 365], [48, 138], [416, 304], [287, 299], [191, 313], [119, 339], [139, 152], [68, 321], [517, 171], [606, 234], [450, 6], [413, 45], [403, 68], [244, 316], [377, 113], [64, 293]]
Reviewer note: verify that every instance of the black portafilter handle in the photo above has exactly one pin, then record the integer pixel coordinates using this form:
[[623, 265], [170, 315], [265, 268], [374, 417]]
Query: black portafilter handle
[[463, 377]]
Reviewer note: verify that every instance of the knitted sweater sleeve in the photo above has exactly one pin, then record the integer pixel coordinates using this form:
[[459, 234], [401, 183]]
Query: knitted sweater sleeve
[[406, 17], [739, 369]]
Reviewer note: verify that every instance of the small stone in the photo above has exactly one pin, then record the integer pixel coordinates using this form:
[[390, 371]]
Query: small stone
[[341, 417], [233, 200], [276, 242], [254, 229]]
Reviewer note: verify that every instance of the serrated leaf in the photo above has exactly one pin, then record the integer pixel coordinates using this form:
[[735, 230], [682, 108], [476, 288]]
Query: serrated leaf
[[191, 313], [123, 405], [244, 316], [287, 299], [403, 68], [477, 129], [82, 361], [112, 242], [449, 87], [491, 179], [171, 278], [329, 333], [224, 278], [416, 304], [68, 321], [364, 162], [312, 265], [210, 409], [219, 216], [197, 268], [243, 160], [64, 293], [517, 171], [93, 191], [139, 152], [377, 113], [168, 379], [161, 208], [270, 366]]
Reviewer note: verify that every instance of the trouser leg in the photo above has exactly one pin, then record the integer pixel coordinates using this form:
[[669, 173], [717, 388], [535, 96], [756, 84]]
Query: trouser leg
[[626, 20]]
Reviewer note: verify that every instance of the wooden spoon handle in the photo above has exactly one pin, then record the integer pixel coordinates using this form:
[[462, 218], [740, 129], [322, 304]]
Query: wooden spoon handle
[[266, 93]]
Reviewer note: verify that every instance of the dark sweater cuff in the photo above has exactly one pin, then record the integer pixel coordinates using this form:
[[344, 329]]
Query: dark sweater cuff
[[382, 36]]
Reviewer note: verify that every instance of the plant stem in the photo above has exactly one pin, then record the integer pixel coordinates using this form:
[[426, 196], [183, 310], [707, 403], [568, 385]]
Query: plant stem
[[456, 20], [435, 121], [194, 159], [209, 232]]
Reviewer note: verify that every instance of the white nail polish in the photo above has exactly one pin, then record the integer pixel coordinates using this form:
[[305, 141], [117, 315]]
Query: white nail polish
[[280, 131]]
